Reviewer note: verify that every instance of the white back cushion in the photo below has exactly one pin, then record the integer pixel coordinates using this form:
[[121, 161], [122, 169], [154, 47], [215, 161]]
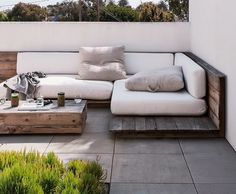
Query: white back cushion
[[194, 75], [136, 62], [48, 62]]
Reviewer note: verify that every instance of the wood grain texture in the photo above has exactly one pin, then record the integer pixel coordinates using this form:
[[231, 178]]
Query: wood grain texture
[[7, 65], [68, 119], [216, 81], [164, 126]]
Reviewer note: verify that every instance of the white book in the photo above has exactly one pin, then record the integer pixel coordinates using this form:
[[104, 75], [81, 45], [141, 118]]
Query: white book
[[34, 107]]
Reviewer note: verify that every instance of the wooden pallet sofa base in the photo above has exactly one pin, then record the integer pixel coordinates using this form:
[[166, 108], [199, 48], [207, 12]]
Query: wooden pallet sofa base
[[210, 125], [170, 127]]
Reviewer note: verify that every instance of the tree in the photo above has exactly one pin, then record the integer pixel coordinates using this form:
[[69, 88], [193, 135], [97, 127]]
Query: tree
[[119, 14], [148, 12], [65, 11], [27, 12], [123, 3], [3, 16], [180, 8], [151, 12], [163, 6]]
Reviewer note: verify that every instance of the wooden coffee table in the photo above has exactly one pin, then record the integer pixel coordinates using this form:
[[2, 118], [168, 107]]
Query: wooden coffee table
[[68, 119]]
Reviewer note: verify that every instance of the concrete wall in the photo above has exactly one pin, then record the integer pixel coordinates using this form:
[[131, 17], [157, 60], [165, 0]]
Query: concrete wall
[[70, 36], [213, 30]]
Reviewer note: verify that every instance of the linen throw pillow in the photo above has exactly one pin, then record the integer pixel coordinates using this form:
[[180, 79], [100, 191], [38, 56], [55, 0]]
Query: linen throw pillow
[[102, 63], [159, 80]]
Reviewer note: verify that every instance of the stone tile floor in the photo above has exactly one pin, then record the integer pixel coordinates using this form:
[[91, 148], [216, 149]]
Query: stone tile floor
[[142, 166]]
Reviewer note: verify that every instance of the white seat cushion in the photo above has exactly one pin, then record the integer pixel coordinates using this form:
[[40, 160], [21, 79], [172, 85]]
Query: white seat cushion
[[194, 75], [136, 62], [48, 62], [125, 102], [74, 88]]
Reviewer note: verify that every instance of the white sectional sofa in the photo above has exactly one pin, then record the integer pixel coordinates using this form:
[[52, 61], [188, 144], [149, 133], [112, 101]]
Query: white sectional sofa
[[189, 101], [62, 75]]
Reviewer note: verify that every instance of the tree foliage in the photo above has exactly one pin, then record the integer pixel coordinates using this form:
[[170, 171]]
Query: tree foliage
[[27, 12], [100, 10], [119, 13], [151, 12], [3, 16], [180, 8]]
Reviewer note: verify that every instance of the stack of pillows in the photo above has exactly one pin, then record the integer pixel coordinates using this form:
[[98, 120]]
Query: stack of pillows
[[108, 64]]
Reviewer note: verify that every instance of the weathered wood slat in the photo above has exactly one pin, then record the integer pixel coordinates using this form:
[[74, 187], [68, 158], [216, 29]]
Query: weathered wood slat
[[140, 124], [214, 107], [184, 123], [165, 123], [115, 124], [8, 56], [150, 123], [163, 126], [213, 93], [128, 123], [194, 123], [214, 118], [7, 65], [39, 119], [213, 81]]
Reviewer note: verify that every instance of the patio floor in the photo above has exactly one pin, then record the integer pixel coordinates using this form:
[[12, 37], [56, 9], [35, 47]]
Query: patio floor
[[140, 166]]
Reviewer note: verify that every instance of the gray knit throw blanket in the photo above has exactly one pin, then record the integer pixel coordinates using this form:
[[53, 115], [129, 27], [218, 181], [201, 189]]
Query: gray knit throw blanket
[[25, 83]]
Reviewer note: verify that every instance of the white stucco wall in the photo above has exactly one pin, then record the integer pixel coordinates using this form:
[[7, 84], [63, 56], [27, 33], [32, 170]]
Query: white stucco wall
[[70, 36], [213, 38]]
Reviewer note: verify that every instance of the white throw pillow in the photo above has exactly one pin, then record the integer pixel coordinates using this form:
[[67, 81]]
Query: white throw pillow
[[102, 63], [168, 79]]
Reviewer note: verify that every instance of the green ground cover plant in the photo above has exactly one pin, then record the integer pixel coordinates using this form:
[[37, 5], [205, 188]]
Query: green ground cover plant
[[31, 173]]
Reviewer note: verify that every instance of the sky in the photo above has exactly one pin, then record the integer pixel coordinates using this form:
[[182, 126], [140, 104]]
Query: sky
[[7, 4]]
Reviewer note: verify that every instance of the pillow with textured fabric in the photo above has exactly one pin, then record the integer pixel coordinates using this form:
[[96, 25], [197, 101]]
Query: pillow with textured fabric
[[168, 79], [102, 63]]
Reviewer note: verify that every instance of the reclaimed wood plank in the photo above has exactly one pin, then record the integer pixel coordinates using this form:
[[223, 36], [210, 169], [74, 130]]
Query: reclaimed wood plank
[[194, 123], [40, 118], [128, 123], [165, 123], [184, 123], [115, 123], [7, 65], [214, 118], [214, 107], [214, 81], [203, 123], [140, 124], [8, 56], [150, 123], [214, 94]]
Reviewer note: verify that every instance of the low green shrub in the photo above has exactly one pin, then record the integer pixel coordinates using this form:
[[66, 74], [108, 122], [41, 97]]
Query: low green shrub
[[31, 173]]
